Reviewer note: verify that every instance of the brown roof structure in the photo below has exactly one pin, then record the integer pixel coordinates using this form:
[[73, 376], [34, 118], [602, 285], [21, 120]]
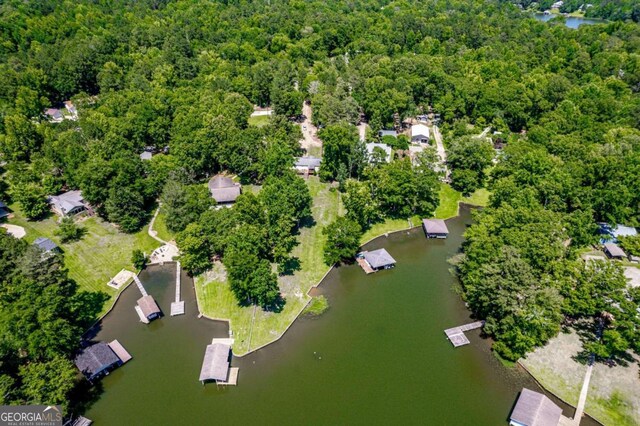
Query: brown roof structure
[[223, 189], [149, 306], [535, 409], [613, 250], [435, 226], [215, 365]]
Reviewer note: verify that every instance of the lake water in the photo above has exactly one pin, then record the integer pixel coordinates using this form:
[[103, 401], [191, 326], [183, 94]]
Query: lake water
[[570, 21], [378, 355]]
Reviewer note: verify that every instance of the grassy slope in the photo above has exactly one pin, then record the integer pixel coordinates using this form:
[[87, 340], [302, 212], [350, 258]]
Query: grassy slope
[[98, 256], [217, 301], [160, 226]]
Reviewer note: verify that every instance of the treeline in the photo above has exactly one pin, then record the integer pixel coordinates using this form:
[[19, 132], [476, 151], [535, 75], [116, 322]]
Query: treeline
[[42, 316], [619, 10]]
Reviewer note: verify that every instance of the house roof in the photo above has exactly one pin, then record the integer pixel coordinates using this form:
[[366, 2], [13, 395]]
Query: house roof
[[435, 226], [215, 365], [614, 250], [383, 133], [535, 409], [95, 358], [146, 155], [54, 113], [379, 258], [624, 231], [67, 201], [310, 162], [223, 189], [419, 130], [386, 148], [148, 305], [45, 244]]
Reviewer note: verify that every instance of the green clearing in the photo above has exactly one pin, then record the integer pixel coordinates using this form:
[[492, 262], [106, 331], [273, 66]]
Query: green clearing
[[317, 306], [450, 200], [101, 253], [160, 226], [253, 327], [259, 120]]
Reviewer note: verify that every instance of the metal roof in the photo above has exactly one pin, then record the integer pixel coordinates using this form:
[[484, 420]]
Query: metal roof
[[419, 130], [96, 358], [535, 409], [223, 189], [67, 201], [386, 148], [435, 226], [215, 365], [310, 162], [378, 258], [148, 305], [45, 244], [614, 250]]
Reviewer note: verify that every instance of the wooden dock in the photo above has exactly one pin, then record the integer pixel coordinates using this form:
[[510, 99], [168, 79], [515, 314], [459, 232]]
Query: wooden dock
[[141, 315], [364, 265], [177, 307], [140, 286], [120, 351], [456, 334]]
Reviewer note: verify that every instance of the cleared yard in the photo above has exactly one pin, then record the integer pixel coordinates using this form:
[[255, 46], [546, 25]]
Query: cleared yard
[[259, 120], [613, 391], [160, 226], [450, 200], [253, 327], [101, 253]]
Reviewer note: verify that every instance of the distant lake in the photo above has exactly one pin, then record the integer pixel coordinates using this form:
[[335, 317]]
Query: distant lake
[[570, 21]]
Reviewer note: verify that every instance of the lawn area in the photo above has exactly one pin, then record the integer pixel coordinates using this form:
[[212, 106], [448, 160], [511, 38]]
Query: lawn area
[[98, 256], [450, 199], [613, 391], [253, 327], [160, 226], [259, 120]]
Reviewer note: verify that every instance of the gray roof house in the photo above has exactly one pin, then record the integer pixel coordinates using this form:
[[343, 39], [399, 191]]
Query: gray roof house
[[534, 409], [379, 259], [435, 228], [384, 147], [96, 359], [149, 307], [307, 165], [54, 115], [223, 189], [613, 251], [45, 244], [68, 203], [419, 133], [215, 365]]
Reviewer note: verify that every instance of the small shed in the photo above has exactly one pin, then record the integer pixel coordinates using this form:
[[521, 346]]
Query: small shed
[[45, 244], [149, 307], [379, 259], [307, 165], [215, 365], [96, 360], [534, 409], [223, 189], [435, 228], [419, 133], [614, 251]]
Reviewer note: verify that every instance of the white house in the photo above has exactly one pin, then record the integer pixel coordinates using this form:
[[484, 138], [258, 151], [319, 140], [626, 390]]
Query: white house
[[419, 133]]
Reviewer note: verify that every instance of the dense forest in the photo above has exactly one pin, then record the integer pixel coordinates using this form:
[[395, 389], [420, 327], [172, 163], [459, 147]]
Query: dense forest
[[182, 77]]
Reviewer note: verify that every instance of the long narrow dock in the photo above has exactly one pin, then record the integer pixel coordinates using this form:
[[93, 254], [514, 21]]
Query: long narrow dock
[[177, 307], [456, 334], [140, 286]]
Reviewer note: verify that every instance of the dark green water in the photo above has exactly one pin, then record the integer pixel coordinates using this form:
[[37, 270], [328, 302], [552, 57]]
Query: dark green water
[[379, 355]]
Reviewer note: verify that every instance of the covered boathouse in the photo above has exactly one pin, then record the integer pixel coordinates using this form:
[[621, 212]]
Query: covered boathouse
[[100, 358], [216, 366], [149, 307], [374, 261], [534, 409], [435, 228]]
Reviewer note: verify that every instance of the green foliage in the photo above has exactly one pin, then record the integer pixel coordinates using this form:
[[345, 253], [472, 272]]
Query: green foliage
[[138, 259], [183, 204], [340, 143], [68, 230], [631, 245], [469, 157], [317, 306], [32, 200], [343, 241]]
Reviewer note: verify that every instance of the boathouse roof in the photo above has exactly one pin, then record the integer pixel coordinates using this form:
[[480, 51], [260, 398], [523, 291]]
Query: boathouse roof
[[215, 365], [435, 226], [535, 409], [95, 358], [379, 258], [148, 306]]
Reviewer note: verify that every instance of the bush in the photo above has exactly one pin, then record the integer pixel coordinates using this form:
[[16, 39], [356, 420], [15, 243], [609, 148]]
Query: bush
[[68, 230], [138, 259]]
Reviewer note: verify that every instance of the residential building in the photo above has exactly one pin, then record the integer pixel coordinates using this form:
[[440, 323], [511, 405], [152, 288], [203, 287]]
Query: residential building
[[223, 189], [68, 203], [419, 133], [307, 165], [614, 251], [386, 151]]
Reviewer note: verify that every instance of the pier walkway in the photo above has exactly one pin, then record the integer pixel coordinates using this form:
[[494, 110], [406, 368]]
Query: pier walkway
[[177, 307], [456, 334], [140, 286]]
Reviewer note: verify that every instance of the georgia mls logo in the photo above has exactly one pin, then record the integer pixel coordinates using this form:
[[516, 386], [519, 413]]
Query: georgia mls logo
[[30, 415]]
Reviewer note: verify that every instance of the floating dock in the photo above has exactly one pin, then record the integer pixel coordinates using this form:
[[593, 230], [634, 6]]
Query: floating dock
[[141, 315], [456, 334], [364, 265], [177, 307], [120, 351]]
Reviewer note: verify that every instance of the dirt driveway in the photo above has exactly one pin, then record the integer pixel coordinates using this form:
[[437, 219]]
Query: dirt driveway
[[310, 141]]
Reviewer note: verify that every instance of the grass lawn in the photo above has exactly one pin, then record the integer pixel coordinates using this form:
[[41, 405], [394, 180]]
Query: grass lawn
[[98, 256], [259, 120], [450, 198], [160, 226], [253, 327]]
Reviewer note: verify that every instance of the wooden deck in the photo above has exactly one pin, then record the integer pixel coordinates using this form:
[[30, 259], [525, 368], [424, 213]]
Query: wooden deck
[[232, 380], [177, 307], [456, 334], [141, 315], [120, 351], [365, 266], [140, 286]]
